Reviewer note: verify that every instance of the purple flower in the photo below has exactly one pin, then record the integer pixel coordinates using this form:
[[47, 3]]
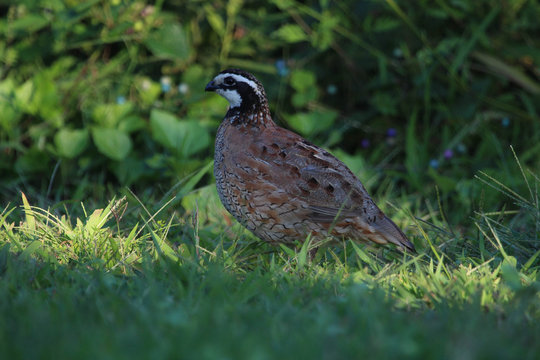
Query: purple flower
[[391, 132], [448, 153], [281, 67], [434, 163], [365, 143]]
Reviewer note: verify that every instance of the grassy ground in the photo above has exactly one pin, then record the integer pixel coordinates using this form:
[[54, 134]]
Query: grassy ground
[[121, 283]]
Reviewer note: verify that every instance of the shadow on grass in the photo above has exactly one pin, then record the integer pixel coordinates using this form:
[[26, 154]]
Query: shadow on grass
[[172, 310]]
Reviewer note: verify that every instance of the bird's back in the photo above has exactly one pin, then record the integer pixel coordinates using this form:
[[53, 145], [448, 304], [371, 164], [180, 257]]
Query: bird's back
[[272, 179]]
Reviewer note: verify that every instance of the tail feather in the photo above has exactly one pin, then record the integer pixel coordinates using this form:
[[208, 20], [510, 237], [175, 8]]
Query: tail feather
[[393, 234]]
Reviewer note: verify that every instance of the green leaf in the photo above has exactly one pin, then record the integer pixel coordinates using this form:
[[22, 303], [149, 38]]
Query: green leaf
[[194, 180], [70, 143], [284, 4], [184, 137], [415, 154], [311, 123], [207, 108], [233, 6], [531, 261], [32, 248], [214, 19], [290, 252], [163, 249], [148, 90], [324, 36], [385, 102], [130, 169], [385, 24], [164, 126], [110, 115], [170, 41], [23, 95], [33, 160], [468, 46], [29, 23], [196, 138], [96, 221], [300, 99], [363, 256], [290, 33], [205, 197], [304, 83], [131, 123], [29, 214], [301, 80], [510, 274], [113, 143], [446, 183], [357, 164], [510, 72], [9, 110], [7, 87], [46, 99]]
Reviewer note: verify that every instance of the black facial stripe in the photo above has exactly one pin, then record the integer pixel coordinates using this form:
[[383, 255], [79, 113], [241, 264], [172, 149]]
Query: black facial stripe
[[248, 95]]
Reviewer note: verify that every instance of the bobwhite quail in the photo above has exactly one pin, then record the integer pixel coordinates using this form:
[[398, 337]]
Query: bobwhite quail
[[280, 186]]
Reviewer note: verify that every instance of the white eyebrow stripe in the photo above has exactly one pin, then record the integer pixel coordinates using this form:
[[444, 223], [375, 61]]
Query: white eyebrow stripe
[[239, 78]]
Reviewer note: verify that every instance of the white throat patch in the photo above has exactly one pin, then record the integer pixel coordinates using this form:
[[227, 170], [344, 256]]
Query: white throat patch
[[232, 96]]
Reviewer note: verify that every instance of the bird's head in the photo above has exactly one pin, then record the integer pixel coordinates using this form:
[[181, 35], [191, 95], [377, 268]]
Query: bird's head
[[241, 89]]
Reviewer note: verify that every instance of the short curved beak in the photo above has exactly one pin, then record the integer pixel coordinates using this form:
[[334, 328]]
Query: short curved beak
[[211, 86]]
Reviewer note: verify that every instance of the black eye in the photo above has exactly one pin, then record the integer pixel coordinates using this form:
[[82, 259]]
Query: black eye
[[229, 81]]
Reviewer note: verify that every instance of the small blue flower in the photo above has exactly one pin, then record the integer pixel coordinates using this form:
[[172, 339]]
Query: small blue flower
[[391, 132], [448, 153], [282, 68], [165, 82], [434, 163], [505, 121], [120, 99], [365, 143], [331, 89]]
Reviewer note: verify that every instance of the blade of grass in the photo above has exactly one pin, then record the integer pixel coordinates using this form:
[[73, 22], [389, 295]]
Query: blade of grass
[[28, 214], [466, 49]]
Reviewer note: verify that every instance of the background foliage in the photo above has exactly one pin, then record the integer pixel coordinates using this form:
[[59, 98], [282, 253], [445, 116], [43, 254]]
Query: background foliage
[[112, 92], [434, 104]]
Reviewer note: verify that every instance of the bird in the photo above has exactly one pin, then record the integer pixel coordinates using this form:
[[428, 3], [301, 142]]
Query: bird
[[282, 187]]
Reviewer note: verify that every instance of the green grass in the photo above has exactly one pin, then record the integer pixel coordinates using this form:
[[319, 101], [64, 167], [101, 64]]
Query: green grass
[[121, 282], [168, 311]]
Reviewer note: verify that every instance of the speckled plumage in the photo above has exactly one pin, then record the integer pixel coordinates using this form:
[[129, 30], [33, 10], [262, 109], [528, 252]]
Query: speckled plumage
[[280, 186]]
